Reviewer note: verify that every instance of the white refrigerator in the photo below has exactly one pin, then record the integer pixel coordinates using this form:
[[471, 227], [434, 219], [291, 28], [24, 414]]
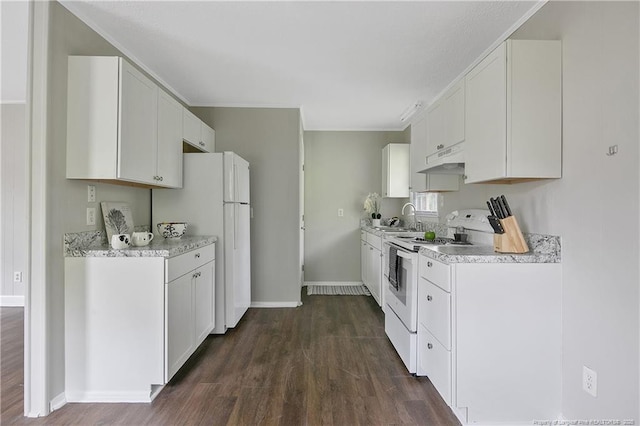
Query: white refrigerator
[[214, 200]]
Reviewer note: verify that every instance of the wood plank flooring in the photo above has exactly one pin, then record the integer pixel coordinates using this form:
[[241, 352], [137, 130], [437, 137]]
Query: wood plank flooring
[[326, 362]]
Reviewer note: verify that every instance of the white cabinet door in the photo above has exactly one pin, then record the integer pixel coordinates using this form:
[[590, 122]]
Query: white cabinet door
[[454, 114], [418, 151], [190, 128], [204, 303], [395, 170], [137, 144], [485, 147], [434, 361], [169, 157], [207, 138], [435, 127], [180, 335], [375, 273], [364, 258]]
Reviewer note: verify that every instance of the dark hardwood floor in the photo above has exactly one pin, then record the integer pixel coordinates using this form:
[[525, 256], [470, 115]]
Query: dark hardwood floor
[[327, 362]]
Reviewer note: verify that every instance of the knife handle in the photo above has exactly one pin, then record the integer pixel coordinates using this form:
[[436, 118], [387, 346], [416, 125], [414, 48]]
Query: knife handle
[[493, 213], [506, 205]]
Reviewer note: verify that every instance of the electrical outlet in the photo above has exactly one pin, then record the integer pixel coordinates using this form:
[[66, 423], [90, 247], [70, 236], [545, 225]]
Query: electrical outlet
[[340, 212], [91, 193], [17, 277], [589, 381], [91, 215]]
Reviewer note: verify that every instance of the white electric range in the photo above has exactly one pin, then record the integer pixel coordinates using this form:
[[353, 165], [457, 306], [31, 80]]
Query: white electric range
[[401, 293]]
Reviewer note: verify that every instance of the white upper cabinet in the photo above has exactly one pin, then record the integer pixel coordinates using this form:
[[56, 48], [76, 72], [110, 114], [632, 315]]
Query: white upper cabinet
[[445, 120], [418, 151], [421, 182], [514, 114], [395, 170], [169, 164], [196, 133], [121, 127], [137, 144]]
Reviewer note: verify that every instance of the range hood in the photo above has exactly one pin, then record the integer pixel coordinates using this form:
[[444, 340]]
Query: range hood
[[449, 161]]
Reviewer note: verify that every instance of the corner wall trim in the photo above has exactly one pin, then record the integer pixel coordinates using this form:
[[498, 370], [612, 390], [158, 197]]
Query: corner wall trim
[[332, 283], [11, 301], [58, 402], [275, 304]]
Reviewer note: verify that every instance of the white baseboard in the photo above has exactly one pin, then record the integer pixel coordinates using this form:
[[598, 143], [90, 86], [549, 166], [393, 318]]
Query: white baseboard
[[12, 301], [275, 304], [332, 283], [109, 397], [58, 402]]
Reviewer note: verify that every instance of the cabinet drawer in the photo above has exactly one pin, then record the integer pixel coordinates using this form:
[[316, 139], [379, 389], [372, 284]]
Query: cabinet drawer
[[180, 265], [437, 272], [434, 311], [374, 241], [434, 361]]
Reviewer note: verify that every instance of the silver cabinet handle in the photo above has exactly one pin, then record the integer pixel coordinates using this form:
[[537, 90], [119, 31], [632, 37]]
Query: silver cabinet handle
[[161, 178], [429, 264], [197, 255], [429, 298], [429, 346], [440, 146], [201, 143], [465, 177]]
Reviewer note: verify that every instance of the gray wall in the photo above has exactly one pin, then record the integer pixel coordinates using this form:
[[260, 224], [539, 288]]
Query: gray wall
[[594, 207], [66, 199], [14, 224], [268, 139], [341, 168]]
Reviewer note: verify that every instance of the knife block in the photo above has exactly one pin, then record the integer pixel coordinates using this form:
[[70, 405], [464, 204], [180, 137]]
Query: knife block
[[512, 240]]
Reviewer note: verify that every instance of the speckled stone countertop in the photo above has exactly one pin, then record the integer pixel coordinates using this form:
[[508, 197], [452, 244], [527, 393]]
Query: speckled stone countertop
[[542, 249], [440, 230], [93, 244]]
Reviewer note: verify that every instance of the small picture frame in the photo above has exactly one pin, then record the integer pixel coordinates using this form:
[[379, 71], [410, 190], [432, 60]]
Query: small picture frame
[[118, 218]]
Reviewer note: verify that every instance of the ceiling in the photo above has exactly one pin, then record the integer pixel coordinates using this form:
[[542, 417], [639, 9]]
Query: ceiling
[[348, 65]]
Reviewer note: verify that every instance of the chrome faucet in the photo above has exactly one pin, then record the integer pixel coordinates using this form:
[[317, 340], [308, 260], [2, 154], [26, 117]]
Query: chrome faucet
[[411, 205]]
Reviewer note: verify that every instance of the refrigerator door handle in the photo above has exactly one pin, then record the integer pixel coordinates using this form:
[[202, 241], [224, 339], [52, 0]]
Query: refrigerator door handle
[[235, 183], [235, 225]]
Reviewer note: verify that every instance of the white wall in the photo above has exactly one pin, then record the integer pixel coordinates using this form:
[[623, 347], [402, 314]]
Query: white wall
[[341, 168], [594, 207], [66, 199], [14, 224], [269, 140]]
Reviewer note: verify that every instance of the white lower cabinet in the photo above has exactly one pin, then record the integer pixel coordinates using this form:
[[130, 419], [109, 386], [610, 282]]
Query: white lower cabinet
[[179, 320], [371, 264], [132, 322], [489, 338], [434, 362]]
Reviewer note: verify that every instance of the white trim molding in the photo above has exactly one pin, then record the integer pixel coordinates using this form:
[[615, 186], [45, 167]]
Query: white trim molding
[[11, 301], [275, 304], [332, 283], [58, 402], [36, 351]]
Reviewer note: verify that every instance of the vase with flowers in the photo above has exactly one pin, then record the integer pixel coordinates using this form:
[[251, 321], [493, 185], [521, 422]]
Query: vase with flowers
[[372, 206]]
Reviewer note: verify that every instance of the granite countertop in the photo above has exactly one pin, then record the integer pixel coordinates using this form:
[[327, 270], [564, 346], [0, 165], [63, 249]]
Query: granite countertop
[[440, 230], [543, 249], [91, 244]]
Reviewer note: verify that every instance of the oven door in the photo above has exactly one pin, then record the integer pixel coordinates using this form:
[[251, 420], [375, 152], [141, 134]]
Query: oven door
[[403, 300]]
